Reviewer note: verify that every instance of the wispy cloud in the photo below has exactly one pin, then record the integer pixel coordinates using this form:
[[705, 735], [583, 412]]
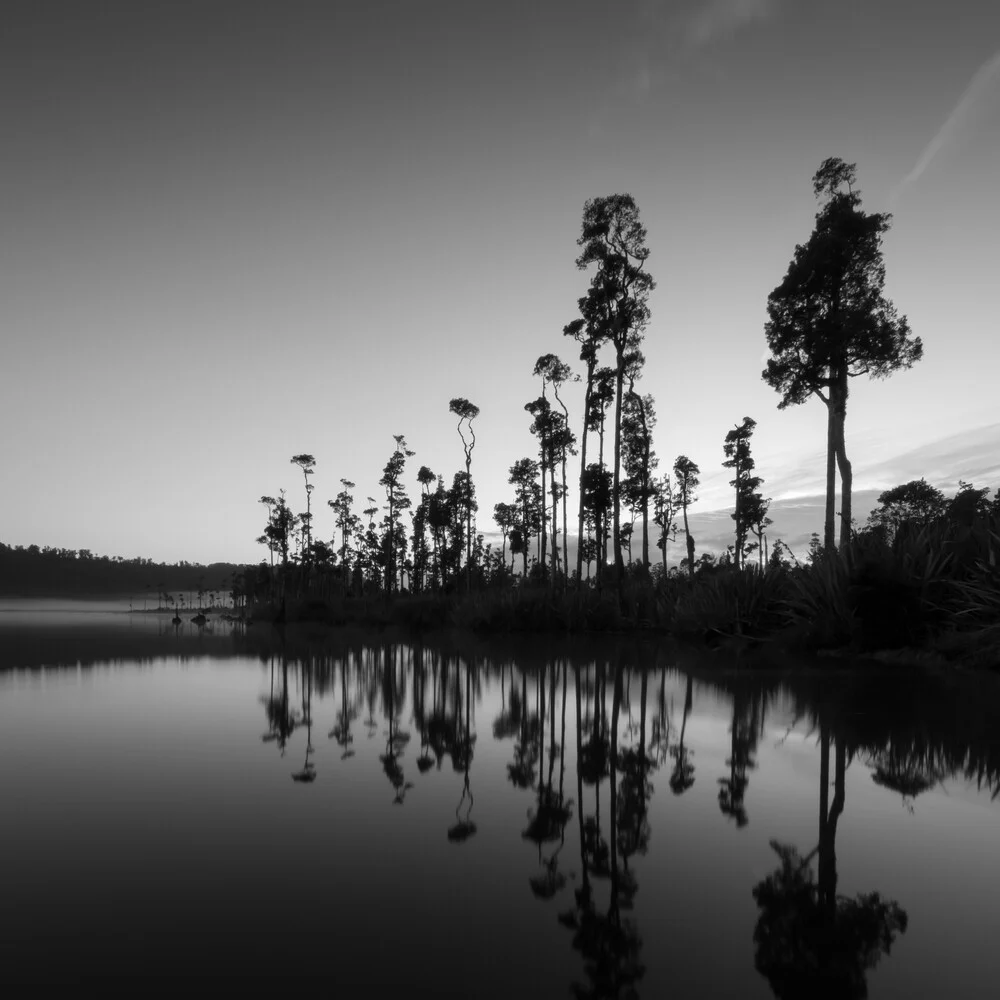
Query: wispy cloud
[[978, 86], [715, 20]]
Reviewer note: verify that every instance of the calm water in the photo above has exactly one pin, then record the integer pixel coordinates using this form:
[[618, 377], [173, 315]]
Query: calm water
[[469, 819]]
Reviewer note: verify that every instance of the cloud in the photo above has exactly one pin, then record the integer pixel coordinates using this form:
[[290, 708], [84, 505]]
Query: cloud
[[978, 86], [714, 20], [972, 455]]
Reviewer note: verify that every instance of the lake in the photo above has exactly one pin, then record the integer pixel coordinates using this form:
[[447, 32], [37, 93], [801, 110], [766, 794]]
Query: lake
[[457, 817]]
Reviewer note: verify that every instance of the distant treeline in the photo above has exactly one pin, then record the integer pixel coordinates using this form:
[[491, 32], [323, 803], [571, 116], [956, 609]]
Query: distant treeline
[[30, 571]]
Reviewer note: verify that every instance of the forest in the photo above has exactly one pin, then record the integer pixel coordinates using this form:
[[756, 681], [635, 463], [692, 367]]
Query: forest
[[33, 571], [920, 572]]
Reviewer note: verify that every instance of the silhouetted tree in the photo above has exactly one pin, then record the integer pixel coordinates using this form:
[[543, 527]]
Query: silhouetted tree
[[829, 321], [394, 537], [308, 465], [523, 476], [739, 459], [638, 458], [687, 476], [466, 413], [665, 514], [555, 373], [614, 239], [347, 522]]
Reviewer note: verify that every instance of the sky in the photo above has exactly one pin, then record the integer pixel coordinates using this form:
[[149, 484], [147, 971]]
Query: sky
[[236, 232]]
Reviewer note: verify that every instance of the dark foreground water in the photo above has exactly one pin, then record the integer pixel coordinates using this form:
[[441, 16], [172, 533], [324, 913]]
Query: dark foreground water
[[468, 819]]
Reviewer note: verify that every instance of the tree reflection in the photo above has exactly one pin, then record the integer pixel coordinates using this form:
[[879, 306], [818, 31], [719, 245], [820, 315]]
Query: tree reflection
[[280, 718], [346, 714], [393, 695], [548, 820], [746, 730], [610, 944], [682, 776], [308, 772], [810, 941], [521, 770], [463, 828]]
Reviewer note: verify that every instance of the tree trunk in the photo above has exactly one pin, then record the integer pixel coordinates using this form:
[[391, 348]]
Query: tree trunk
[[616, 486], [690, 542], [565, 540], [583, 471], [555, 523], [544, 548], [645, 511], [831, 481], [839, 403]]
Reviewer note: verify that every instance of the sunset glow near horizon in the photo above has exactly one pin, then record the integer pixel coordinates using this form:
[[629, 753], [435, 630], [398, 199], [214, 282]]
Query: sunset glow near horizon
[[239, 232]]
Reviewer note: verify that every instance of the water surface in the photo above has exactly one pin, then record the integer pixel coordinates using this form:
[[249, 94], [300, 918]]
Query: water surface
[[463, 818]]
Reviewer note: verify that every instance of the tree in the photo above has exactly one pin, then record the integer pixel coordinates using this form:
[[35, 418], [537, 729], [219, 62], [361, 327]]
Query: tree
[[587, 333], [915, 503], [547, 427], [614, 239], [556, 372], [308, 466], [664, 514], [394, 537], [754, 513], [505, 515], [638, 458], [829, 321], [687, 476], [739, 459], [528, 501], [466, 413], [280, 526], [346, 521], [969, 503], [421, 521]]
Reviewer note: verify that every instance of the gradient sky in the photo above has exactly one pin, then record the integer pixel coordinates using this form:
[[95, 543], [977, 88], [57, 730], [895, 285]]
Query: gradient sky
[[235, 232]]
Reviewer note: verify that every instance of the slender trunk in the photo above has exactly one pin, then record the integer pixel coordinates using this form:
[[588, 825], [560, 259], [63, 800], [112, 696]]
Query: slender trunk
[[544, 551], [739, 542], [690, 541], [565, 544], [600, 516], [583, 471], [831, 480], [846, 475], [645, 512], [555, 521], [616, 485]]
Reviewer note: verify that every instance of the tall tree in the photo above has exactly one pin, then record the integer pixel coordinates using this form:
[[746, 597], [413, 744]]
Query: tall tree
[[528, 500], [466, 413], [664, 514], [308, 466], [547, 427], [505, 515], [347, 522], [394, 537], [638, 457], [829, 321], [586, 331], [426, 478], [739, 459], [555, 373], [754, 512], [614, 239], [687, 475]]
